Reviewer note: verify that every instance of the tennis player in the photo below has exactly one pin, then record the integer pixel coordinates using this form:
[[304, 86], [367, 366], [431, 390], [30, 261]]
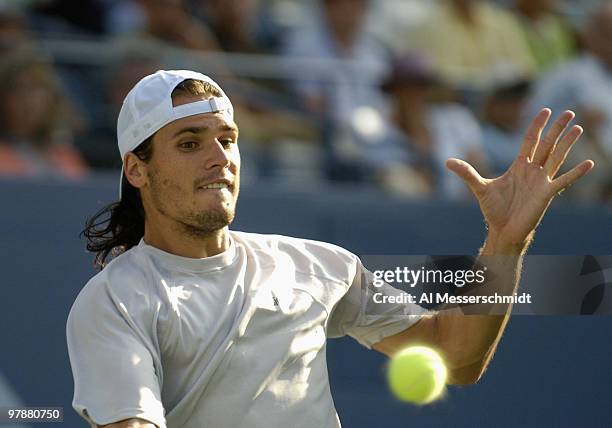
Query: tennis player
[[193, 325]]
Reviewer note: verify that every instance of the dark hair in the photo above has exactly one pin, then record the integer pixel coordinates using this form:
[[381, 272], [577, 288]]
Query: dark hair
[[18, 71], [119, 226]]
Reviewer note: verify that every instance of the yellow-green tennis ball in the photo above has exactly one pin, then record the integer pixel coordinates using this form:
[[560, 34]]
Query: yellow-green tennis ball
[[417, 374]]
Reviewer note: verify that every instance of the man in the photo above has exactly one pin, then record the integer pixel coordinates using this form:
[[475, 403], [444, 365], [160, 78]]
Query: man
[[432, 126], [198, 326], [472, 43], [585, 86], [550, 37]]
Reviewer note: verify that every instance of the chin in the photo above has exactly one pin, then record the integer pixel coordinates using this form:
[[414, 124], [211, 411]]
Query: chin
[[212, 220]]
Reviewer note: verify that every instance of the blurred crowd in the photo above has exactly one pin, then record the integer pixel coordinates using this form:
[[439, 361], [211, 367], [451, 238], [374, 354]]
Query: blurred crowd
[[366, 92]]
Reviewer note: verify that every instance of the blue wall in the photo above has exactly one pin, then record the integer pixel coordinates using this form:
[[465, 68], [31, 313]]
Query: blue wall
[[548, 371]]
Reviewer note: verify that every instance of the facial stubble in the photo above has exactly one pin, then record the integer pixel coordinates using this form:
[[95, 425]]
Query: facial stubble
[[190, 222]]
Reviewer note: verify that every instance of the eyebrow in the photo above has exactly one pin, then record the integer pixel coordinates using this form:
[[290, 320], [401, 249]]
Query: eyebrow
[[202, 129]]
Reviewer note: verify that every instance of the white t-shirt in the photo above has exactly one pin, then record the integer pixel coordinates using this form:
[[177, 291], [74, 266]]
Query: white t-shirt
[[233, 340]]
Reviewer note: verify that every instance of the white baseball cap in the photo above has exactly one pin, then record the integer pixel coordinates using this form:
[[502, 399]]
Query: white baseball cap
[[148, 107]]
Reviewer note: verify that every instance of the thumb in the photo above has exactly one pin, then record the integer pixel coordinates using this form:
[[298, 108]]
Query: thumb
[[467, 173]]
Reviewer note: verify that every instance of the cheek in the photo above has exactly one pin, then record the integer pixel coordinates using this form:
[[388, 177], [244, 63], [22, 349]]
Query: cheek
[[171, 183]]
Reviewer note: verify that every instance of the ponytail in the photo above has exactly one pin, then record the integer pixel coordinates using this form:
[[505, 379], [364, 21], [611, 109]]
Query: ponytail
[[118, 226]]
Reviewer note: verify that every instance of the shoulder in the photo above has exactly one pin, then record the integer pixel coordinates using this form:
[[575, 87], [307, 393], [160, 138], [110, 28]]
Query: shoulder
[[309, 256], [288, 243], [122, 284]]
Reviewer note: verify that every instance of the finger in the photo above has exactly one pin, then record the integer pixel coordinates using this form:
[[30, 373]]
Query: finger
[[570, 177], [532, 136], [560, 152], [548, 143], [467, 173]]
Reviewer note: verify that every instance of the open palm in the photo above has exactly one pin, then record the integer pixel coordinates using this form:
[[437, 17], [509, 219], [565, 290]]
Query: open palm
[[514, 203]]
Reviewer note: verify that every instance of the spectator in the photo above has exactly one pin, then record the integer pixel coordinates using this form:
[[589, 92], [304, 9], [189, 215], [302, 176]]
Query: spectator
[[36, 123], [74, 16], [473, 42], [167, 28], [393, 20], [120, 76], [338, 79], [585, 86], [124, 17], [235, 24], [550, 38], [430, 127], [14, 33], [168, 21], [338, 35], [501, 116]]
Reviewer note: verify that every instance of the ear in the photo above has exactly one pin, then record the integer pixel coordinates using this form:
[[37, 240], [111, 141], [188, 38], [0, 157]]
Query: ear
[[135, 170]]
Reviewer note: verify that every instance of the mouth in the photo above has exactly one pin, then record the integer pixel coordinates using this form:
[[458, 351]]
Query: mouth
[[214, 186], [217, 185]]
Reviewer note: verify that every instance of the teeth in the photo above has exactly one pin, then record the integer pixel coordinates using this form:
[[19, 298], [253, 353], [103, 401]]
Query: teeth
[[215, 186]]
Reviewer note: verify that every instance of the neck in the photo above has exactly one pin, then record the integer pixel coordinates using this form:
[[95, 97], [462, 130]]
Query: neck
[[185, 244]]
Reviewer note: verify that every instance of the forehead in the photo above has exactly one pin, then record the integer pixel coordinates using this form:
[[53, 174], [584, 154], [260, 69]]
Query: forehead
[[214, 122]]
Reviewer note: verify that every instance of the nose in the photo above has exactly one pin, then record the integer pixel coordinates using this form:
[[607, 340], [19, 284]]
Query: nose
[[218, 156]]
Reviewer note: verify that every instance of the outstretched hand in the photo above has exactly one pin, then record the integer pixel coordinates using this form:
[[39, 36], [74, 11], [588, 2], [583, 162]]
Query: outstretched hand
[[514, 203]]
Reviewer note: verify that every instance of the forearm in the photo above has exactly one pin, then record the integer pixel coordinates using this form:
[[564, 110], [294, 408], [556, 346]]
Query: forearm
[[466, 336], [470, 334]]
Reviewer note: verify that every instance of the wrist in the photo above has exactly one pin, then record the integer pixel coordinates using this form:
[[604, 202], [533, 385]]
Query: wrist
[[497, 243]]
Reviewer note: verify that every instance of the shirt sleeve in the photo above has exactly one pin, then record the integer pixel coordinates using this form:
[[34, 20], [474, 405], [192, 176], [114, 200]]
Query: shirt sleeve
[[113, 361], [358, 315]]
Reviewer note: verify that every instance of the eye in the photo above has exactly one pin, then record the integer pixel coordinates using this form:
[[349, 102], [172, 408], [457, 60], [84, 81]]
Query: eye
[[226, 142], [188, 145]]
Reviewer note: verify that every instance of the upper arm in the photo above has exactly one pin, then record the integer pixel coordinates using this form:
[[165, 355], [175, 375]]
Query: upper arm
[[116, 376], [359, 315]]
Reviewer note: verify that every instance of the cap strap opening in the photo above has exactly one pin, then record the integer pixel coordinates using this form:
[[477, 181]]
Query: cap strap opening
[[210, 105]]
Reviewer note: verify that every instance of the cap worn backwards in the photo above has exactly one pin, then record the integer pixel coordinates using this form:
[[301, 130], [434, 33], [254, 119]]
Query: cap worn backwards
[[148, 107]]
